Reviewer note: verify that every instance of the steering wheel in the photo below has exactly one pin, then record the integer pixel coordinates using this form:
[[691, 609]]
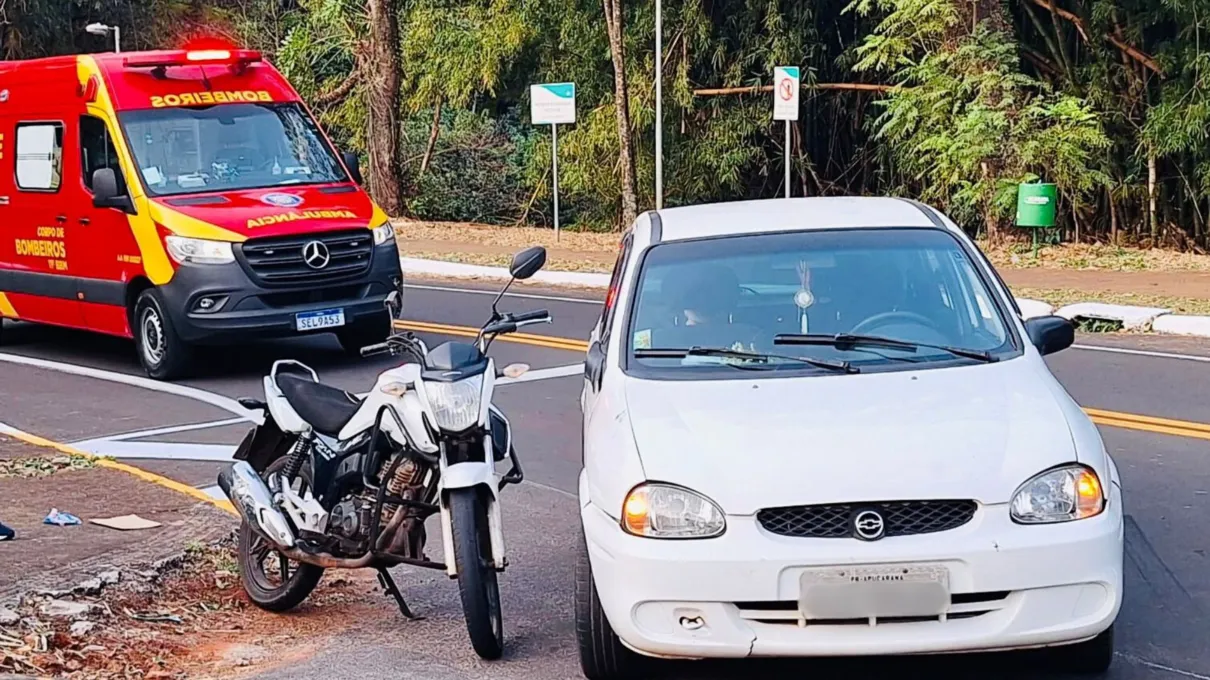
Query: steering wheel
[[884, 319]]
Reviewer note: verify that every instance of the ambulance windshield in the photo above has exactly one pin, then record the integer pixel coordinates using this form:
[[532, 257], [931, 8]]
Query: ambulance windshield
[[187, 150]]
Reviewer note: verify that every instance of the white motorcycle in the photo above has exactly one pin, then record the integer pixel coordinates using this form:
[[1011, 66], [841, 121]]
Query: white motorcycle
[[332, 480]]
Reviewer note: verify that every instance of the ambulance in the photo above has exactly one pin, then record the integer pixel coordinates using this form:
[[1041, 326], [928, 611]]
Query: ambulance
[[183, 198]]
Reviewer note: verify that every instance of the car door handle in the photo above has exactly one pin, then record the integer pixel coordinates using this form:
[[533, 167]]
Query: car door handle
[[85, 221], [61, 219]]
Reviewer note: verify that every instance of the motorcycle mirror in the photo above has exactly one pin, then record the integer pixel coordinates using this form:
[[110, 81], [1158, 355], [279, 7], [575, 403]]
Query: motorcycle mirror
[[515, 371], [392, 304], [527, 262]]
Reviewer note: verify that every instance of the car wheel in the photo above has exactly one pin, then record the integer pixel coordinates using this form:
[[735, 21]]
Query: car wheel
[[602, 654], [162, 352], [365, 333], [1092, 657]]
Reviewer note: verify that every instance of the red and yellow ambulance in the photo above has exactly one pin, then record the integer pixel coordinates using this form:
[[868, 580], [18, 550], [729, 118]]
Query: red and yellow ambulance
[[182, 198]]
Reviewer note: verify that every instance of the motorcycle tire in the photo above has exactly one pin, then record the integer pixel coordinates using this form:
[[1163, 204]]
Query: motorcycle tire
[[298, 583], [477, 582]]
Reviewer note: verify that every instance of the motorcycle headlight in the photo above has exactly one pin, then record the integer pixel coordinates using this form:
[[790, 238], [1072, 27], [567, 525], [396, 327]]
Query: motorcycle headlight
[[455, 404], [1060, 495], [663, 511], [383, 233], [198, 251]]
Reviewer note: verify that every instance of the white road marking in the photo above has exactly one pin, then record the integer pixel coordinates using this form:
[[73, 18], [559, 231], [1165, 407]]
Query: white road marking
[[529, 296], [1143, 353], [544, 374], [159, 450], [216, 400], [142, 434], [1160, 667]]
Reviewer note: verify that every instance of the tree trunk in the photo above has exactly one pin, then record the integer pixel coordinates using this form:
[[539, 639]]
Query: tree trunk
[[1151, 218], [383, 78], [1113, 217], [615, 27], [434, 131]]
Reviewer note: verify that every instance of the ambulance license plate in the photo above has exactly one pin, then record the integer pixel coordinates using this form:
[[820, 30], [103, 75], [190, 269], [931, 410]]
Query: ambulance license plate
[[314, 321]]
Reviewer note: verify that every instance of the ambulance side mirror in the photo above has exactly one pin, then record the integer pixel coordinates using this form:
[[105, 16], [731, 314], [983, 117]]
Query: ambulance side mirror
[[105, 193], [353, 163]]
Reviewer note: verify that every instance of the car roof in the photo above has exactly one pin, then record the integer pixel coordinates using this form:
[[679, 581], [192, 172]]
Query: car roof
[[790, 214]]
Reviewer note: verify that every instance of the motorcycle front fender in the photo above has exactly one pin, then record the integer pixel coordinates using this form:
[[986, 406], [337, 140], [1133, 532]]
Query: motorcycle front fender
[[472, 475]]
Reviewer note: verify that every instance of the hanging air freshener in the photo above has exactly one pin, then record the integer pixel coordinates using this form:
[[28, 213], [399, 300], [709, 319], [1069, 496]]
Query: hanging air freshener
[[804, 298]]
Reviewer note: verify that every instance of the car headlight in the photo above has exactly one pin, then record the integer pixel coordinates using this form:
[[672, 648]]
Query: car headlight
[[1060, 495], [455, 404], [663, 511], [199, 251], [383, 233]]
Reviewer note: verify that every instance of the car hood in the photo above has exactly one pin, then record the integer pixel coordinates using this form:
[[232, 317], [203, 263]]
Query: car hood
[[254, 213], [974, 432]]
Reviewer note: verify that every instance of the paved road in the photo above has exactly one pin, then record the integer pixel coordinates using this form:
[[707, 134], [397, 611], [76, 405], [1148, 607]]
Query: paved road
[[1166, 477]]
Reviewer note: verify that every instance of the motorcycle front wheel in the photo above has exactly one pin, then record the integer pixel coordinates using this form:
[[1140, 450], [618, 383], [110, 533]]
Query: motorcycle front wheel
[[476, 576]]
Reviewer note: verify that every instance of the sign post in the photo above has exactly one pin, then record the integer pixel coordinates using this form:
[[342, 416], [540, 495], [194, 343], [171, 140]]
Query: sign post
[[786, 87], [552, 104]]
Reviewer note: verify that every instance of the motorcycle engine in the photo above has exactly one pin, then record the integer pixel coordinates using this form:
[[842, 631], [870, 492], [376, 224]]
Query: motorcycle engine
[[408, 483]]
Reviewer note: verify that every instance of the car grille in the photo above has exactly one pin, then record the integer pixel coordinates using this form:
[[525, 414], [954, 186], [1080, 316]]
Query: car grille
[[786, 612], [278, 261], [901, 518]]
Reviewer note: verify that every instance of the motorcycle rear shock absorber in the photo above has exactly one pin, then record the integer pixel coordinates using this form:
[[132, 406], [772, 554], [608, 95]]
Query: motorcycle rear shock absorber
[[298, 456]]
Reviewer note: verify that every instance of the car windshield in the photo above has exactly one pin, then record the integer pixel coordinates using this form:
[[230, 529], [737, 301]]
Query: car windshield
[[228, 146], [898, 298]]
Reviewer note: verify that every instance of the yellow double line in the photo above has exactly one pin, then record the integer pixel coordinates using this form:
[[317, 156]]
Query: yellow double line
[[1129, 421], [546, 341]]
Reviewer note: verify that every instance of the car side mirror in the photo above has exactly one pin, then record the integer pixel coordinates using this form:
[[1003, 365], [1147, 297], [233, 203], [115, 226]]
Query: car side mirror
[[594, 364], [353, 163], [105, 193], [527, 262], [1050, 334]]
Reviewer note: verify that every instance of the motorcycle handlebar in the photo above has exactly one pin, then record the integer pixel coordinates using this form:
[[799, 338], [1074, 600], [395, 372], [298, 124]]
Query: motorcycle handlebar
[[379, 348], [535, 315]]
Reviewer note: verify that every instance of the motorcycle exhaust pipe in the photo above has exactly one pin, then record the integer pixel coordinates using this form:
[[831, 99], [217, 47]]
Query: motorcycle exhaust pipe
[[252, 498]]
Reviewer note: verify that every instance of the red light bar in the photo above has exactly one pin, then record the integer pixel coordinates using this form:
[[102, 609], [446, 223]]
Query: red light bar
[[193, 57]]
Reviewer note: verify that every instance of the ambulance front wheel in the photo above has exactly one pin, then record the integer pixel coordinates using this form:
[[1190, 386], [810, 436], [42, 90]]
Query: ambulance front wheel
[[162, 352]]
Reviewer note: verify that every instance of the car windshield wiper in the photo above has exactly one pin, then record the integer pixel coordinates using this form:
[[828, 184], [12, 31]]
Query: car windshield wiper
[[842, 340], [671, 353]]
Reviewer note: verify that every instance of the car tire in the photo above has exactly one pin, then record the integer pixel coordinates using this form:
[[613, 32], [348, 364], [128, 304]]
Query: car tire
[[162, 352], [370, 332], [1092, 657], [602, 654]]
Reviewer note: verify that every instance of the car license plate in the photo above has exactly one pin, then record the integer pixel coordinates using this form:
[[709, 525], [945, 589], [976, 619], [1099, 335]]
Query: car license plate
[[861, 592], [313, 321]]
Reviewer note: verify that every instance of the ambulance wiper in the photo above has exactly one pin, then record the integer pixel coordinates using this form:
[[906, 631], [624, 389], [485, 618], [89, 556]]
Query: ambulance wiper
[[758, 358]]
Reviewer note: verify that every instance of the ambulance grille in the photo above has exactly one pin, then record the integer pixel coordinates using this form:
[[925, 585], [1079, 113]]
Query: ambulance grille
[[279, 260]]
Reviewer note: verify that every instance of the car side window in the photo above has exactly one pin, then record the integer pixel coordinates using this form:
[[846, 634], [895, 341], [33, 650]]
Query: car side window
[[97, 151], [615, 283], [39, 157]]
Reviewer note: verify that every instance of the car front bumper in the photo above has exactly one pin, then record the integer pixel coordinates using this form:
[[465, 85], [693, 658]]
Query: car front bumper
[[249, 310], [736, 596]]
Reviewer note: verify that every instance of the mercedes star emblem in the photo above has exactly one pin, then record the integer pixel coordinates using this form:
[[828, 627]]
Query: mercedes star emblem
[[316, 255], [868, 525]]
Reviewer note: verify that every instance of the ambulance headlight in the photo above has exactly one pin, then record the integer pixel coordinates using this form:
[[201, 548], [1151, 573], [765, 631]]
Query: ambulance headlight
[[198, 251], [383, 233]]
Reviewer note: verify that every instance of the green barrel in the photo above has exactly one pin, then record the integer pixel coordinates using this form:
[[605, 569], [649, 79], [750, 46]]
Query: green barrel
[[1036, 205]]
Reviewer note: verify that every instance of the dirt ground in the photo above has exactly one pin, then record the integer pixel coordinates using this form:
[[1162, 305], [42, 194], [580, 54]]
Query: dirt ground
[[1103, 272], [45, 556]]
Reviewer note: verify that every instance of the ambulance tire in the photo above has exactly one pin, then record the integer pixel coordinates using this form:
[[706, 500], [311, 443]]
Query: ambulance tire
[[365, 333], [162, 352]]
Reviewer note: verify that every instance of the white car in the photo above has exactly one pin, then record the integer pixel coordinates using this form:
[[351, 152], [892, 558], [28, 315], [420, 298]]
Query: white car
[[821, 427]]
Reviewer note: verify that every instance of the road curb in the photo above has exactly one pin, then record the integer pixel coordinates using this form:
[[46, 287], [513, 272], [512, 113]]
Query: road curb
[[139, 473], [1132, 318]]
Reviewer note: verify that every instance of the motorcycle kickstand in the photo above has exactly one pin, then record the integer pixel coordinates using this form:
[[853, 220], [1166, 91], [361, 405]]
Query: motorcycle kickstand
[[388, 585]]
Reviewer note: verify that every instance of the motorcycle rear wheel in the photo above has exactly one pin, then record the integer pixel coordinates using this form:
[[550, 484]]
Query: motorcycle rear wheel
[[283, 584], [477, 582]]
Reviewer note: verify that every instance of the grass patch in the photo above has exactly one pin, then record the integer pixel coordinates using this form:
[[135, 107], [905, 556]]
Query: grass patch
[[1085, 325], [1061, 298], [42, 466], [552, 263], [510, 237]]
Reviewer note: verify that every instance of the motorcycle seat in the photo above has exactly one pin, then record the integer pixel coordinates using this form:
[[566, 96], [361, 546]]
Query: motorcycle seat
[[327, 409]]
